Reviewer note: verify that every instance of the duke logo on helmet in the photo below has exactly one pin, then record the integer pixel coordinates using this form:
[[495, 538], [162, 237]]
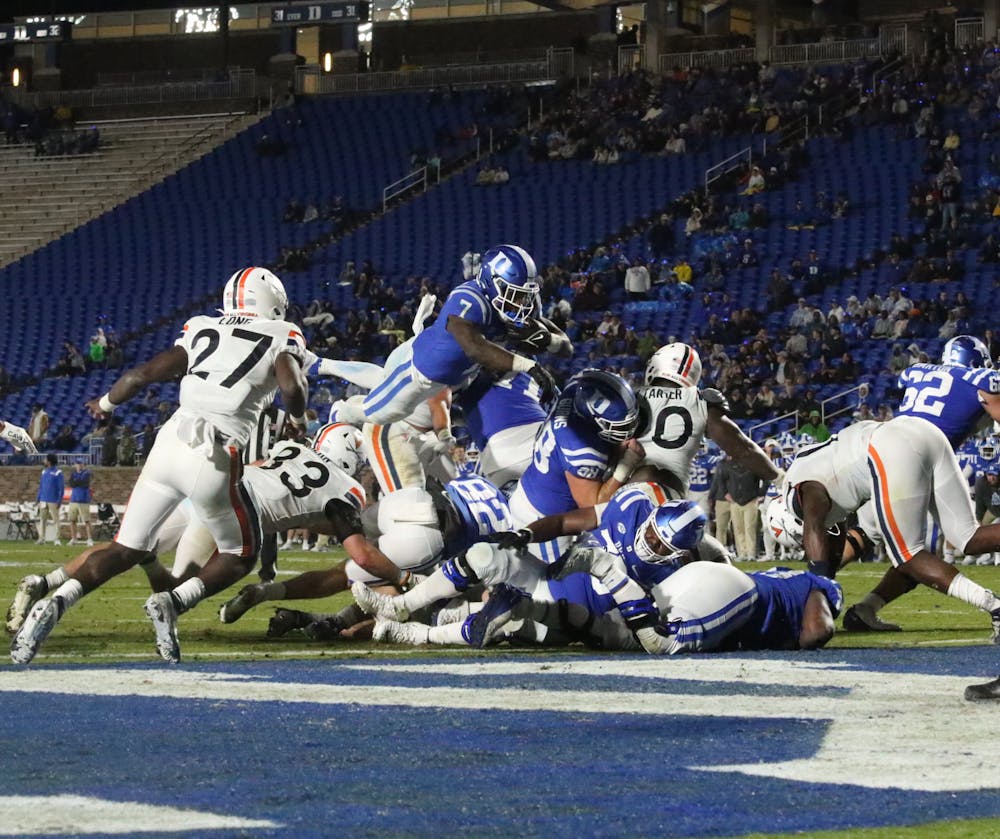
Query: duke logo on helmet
[[255, 292], [607, 401], [966, 351], [509, 279], [677, 526]]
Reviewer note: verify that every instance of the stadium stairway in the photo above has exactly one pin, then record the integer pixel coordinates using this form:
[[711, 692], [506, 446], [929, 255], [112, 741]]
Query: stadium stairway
[[55, 194]]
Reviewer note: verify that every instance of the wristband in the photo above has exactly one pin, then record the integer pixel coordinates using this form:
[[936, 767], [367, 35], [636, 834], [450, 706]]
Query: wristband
[[445, 435], [622, 471], [521, 364], [105, 403], [298, 422]]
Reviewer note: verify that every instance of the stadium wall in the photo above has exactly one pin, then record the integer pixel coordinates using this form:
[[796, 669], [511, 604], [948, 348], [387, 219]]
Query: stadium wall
[[108, 483]]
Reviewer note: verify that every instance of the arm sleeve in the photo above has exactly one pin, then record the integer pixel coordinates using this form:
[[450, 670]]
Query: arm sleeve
[[345, 519]]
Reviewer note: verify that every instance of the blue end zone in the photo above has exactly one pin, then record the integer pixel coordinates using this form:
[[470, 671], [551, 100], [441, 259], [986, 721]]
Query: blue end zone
[[395, 771]]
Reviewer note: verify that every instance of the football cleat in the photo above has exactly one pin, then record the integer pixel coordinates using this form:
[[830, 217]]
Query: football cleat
[[984, 693], [443, 617], [236, 607], [29, 591], [325, 629], [285, 620], [394, 632], [859, 619], [378, 605], [162, 612], [40, 622], [486, 624]]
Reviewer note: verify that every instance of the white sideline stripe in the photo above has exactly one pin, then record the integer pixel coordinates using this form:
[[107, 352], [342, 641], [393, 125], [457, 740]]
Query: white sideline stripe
[[55, 815], [895, 730]]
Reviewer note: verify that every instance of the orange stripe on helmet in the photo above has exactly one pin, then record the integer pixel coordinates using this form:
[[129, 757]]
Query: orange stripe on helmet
[[658, 494], [240, 290]]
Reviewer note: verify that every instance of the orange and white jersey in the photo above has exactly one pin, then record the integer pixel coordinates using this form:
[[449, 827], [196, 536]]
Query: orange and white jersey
[[230, 377], [840, 464], [672, 425], [293, 487]]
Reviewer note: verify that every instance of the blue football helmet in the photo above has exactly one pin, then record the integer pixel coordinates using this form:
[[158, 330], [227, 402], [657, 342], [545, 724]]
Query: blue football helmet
[[671, 528], [988, 448], [966, 351], [606, 400], [509, 279]]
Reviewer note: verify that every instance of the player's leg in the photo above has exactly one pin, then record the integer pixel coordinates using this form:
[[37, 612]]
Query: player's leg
[[311, 585], [508, 454], [401, 390], [391, 451]]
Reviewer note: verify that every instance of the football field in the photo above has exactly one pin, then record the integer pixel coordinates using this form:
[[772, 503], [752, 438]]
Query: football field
[[251, 736]]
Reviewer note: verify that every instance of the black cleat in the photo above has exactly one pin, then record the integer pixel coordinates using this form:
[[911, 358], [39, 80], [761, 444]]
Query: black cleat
[[857, 620], [285, 620], [326, 629], [984, 693]]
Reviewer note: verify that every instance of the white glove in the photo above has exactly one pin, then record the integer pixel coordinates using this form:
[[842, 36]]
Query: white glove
[[652, 642], [18, 438]]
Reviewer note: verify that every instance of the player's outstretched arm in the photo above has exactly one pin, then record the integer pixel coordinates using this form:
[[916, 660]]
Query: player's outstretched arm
[[494, 357], [731, 439], [815, 539], [162, 367], [294, 391]]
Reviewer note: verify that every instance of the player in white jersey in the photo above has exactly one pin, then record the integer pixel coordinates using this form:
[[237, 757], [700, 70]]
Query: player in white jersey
[[907, 467], [231, 366], [17, 437]]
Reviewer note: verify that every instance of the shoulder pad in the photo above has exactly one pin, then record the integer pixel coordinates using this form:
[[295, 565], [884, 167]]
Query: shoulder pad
[[645, 417], [716, 398]]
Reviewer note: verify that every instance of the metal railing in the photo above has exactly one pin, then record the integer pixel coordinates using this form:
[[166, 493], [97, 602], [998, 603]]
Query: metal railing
[[417, 179], [892, 38], [241, 84], [629, 58], [753, 432], [709, 58], [828, 413], [310, 78], [734, 161], [968, 31], [825, 51]]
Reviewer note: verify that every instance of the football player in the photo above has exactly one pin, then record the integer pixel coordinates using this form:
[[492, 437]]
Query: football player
[[451, 350], [907, 467], [959, 396], [17, 437], [231, 367]]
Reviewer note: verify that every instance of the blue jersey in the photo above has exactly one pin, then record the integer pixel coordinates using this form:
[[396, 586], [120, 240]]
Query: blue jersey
[[481, 509], [702, 468], [436, 353], [468, 469], [620, 520], [491, 406], [565, 445], [51, 486], [946, 396], [776, 622]]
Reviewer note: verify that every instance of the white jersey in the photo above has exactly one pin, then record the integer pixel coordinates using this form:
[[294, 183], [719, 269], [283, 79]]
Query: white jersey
[[672, 426], [230, 377], [840, 464], [293, 487]]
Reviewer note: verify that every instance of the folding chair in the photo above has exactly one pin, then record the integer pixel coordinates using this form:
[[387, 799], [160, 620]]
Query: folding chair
[[22, 518], [108, 523]]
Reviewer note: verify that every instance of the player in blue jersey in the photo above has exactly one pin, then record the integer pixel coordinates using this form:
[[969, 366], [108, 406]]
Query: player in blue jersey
[[459, 514], [959, 396], [461, 339], [503, 416]]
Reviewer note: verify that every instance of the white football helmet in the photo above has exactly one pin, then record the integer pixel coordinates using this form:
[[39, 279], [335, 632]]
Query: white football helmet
[[255, 292], [783, 524], [678, 363], [342, 444]]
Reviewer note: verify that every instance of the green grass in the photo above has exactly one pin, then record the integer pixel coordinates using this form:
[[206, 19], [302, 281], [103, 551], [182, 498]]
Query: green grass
[[109, 625]]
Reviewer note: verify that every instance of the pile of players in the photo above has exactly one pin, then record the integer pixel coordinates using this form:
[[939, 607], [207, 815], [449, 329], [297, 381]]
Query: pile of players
[[579, 526]]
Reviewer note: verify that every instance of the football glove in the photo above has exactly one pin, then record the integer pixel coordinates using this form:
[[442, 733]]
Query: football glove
[[534, 336], [545, 382], [18, 438], [511, 540]]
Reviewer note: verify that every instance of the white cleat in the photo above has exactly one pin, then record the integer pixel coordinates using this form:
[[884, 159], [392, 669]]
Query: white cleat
[[394, 632], [456, 615], [29, 591], [378, 605], [40, 622], [236, 607], [161, 611]]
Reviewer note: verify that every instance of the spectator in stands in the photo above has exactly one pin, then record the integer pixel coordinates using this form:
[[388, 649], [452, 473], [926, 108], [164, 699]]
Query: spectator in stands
[[38, 425], [79, 505], [148, 438], [756, 182], [109, 443], [50, 497], [637, 281], [127, 447], [815, 427], [65, 440]]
